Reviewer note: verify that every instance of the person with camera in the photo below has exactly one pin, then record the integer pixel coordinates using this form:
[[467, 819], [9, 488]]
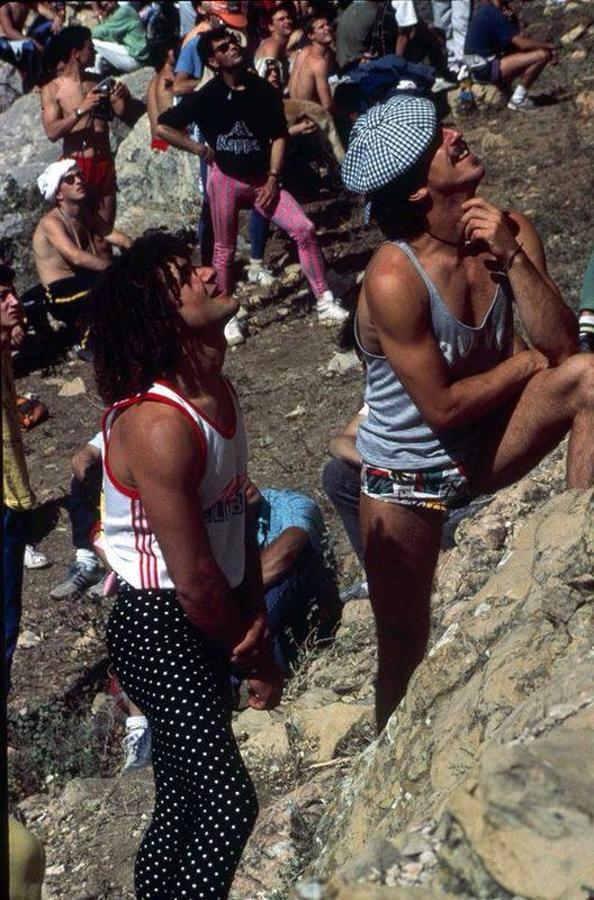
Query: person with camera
[[76, 108]]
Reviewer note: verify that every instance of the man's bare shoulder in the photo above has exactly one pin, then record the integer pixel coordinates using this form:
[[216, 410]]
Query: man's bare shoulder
[[269, 48], [391, 274], [157, 428]]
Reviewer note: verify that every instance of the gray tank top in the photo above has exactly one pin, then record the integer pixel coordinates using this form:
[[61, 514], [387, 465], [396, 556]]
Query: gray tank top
[[395, 435]]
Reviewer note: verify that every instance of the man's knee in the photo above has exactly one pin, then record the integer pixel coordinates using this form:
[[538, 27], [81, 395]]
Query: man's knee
[[579, 374], [544, 55]]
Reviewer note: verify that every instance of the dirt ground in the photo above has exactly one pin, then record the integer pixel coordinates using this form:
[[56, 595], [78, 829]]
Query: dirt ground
[[539, 163]]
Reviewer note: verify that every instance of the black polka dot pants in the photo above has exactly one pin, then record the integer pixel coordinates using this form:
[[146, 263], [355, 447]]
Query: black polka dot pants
[[205, 804]]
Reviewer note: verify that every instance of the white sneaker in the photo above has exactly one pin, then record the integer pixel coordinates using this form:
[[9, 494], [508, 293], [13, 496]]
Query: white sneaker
[[329, 310], [233, 332], [138, 749], [34, 558], [525, 105], [260, 275]]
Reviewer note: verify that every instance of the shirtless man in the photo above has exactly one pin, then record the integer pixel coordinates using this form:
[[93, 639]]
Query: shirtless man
[[71, 243], [20, 49], [313, 64], [77, 111], [160, 94], [280, 26], [453, 411]]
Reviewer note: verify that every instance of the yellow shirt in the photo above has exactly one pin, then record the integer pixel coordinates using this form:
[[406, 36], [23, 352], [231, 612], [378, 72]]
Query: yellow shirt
[[17, 490]]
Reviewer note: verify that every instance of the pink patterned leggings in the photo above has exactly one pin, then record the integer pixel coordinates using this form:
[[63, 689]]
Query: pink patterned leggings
[[227, 196]]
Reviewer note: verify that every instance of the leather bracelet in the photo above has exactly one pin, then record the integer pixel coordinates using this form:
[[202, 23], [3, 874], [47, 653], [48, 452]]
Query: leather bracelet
[[274, 175], [505, 269]]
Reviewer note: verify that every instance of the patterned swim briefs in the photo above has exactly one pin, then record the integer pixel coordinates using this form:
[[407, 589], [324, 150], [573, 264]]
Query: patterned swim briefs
[[438, 489]]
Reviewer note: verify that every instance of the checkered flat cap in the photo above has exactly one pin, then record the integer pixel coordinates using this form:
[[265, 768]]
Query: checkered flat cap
[[387, 141]]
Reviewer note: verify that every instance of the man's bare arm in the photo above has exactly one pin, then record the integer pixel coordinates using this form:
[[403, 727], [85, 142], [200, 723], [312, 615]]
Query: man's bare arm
[[183, 83], [550, 325], [320, 72], [181, 140], [165, 465], [55, 123], [7, 25], [278, 557], [342, 443], [117, 238], [59, 238], [397, 302]]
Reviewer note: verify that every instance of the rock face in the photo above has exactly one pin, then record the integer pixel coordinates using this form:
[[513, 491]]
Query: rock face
[[155, 188], [485, 763], [10, 85], [24, 148]]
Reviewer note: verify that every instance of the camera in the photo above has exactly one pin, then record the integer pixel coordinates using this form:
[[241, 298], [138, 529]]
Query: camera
[[106, 86]]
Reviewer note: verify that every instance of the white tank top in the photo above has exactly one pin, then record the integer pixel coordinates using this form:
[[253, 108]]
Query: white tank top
[[131, 548]]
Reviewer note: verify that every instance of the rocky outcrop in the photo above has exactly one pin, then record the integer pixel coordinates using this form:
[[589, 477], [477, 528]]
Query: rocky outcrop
[[10, 85], [485, 763], [155, 188]]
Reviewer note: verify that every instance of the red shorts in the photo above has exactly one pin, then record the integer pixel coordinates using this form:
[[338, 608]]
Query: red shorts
[[99, 174], [159, 144]]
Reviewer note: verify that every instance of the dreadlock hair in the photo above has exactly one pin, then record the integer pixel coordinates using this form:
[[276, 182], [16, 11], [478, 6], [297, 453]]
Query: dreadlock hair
[[135, 323]]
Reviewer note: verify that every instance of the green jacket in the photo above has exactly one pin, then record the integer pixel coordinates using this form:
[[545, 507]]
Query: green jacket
[[124, 26]]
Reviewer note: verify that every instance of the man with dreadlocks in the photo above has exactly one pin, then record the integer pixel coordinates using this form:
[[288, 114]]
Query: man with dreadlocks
[[190, 598]]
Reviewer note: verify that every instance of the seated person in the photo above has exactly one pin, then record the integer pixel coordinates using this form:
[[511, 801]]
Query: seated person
[[496, 52], [119, 39], [160, 93], [71, 243], [355, 32], [290, 531], [86, 570], [23, 51]]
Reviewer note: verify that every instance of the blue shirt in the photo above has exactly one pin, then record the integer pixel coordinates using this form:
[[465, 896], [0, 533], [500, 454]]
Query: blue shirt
[[188, 60], [279, 510], [489, 32]]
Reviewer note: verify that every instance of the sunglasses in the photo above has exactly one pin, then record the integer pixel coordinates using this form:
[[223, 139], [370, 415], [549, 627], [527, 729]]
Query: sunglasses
[[70, 179], [225, 45]]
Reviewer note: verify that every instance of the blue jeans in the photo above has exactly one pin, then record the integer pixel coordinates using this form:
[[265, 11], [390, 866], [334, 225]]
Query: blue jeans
[[14, 539], [289, 607]]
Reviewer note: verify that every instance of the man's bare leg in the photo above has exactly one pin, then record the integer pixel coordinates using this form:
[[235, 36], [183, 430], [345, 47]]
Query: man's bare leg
[[554, 402], [529, 65], [401, 546]]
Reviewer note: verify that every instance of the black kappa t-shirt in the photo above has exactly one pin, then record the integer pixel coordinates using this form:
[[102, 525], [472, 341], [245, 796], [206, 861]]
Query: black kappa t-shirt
[[239, 125]]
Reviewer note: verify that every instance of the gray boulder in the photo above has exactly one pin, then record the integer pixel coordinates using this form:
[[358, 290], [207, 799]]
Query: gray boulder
[[156, 189], [10, 85]]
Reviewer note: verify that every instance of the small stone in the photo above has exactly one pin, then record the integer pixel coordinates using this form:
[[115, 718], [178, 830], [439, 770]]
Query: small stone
[[573, 34], [295, 413], [72, 388]]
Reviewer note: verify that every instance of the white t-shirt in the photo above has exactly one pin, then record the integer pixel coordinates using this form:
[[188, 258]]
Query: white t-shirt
[[405, 12]]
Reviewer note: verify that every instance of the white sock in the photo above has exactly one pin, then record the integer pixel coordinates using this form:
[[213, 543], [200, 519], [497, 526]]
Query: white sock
[[88, 557], [256, 263], [327, 299], [136, 722], [586, 322], [519, 94]]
